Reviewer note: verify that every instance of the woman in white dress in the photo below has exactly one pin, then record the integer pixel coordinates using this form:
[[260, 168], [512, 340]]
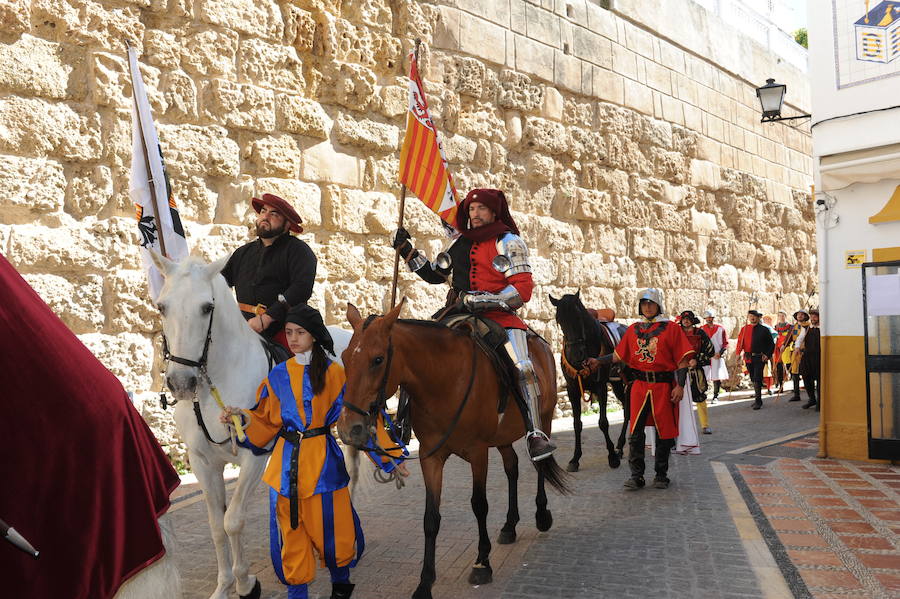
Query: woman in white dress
[[716, 372]]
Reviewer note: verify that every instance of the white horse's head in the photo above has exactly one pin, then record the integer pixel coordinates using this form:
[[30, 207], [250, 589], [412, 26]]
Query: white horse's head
[[187, 303]]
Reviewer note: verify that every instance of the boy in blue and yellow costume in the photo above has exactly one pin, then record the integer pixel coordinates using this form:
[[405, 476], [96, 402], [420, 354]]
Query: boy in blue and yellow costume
[[311, 513]]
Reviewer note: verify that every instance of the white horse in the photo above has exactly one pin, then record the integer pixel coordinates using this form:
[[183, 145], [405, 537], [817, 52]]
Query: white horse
[[159, 579], [204, 330]]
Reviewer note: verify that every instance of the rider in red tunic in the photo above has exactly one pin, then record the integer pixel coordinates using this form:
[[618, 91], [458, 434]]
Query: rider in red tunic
[[488, 267], [654, 349]]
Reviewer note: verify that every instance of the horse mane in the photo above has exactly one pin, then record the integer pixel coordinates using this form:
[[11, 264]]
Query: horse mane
[[571, 310], [413, 321]]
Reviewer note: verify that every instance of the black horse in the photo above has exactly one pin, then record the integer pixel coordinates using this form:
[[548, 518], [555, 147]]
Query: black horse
[[583, 339]]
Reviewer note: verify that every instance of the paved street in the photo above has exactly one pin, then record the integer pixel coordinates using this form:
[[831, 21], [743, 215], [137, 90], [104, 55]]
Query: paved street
[[679, 542]]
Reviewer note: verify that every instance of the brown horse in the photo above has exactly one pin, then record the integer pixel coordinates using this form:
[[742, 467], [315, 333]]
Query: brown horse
[[454, 391]]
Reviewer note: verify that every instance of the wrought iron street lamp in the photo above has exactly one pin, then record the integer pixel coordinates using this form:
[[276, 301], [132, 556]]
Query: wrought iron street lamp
[[771, 99]]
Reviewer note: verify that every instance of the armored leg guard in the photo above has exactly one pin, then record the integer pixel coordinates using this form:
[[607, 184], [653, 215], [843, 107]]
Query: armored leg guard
[[539, 444]]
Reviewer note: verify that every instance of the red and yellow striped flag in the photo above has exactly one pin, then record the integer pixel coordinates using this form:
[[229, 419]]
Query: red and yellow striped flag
[[423, 165]]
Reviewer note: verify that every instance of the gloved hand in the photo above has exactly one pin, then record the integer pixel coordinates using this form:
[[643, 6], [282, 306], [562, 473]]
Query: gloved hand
[[401, 243], [467, 301]]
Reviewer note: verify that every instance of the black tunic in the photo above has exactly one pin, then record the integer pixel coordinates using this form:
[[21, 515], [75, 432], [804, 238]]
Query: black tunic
[[460, 266], [812, 355], [259, 274]]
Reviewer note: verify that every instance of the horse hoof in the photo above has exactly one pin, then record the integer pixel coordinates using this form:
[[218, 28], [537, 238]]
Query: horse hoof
[[506, 537], [481, 575], [544, 520], [254, 593], [614, 461], [572, 467], [422, 592]]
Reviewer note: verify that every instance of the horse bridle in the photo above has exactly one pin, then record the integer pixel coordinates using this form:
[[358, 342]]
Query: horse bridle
[[578, 341], [200, 365], [380, 403]]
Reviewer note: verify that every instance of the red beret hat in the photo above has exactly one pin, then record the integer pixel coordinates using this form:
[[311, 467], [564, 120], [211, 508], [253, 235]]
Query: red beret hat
[[282, 206]]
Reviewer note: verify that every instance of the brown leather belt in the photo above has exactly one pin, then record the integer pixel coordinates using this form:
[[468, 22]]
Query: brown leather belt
[[257, 309]]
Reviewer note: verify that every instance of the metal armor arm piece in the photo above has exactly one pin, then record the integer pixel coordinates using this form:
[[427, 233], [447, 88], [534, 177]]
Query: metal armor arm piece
[[431, 272], [508, 299], [512, 255]]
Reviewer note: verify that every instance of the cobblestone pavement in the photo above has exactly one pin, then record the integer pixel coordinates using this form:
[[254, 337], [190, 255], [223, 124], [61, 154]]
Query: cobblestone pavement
[[835, 524], [679, 542]]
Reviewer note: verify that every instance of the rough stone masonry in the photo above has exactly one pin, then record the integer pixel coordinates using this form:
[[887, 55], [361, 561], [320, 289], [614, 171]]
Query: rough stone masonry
[[628, 141]]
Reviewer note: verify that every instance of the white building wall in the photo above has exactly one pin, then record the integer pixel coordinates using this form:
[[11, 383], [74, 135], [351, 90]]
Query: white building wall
[[841, 287], [768, 22]]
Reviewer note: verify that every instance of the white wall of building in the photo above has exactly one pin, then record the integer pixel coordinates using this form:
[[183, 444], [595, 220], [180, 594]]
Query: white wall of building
[[841, 287], [769, 22], [830, 53]]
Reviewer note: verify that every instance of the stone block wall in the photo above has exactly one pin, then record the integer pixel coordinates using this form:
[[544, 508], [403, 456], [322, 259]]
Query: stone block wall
[[626, 139]]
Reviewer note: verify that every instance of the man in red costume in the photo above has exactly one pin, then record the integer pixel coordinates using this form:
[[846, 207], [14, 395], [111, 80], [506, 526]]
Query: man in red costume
[[84, 480], [657, 352], [488, 268], [756, 344]]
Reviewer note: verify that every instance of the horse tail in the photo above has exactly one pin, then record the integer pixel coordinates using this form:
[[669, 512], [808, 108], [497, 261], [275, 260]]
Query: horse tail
[[554, 475]]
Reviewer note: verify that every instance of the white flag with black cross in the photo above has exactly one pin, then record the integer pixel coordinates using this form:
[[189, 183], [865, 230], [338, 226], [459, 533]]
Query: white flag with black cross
[[159, 225]]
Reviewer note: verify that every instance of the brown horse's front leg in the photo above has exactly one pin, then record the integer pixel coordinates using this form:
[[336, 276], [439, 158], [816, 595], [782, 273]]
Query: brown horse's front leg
[[482, 573], [433, 473]]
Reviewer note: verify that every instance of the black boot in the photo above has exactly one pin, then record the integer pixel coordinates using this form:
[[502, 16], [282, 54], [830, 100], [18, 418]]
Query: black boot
[[757, 403], [636, 460], [661, 463], [795, 378], [341, 590], [811, 403]]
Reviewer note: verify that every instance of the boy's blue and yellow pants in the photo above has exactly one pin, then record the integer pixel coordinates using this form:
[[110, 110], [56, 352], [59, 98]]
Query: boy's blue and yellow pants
[[329, 532]]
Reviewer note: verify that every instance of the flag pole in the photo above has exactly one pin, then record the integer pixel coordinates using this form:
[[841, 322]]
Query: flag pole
[[140, 124], [402, 210]]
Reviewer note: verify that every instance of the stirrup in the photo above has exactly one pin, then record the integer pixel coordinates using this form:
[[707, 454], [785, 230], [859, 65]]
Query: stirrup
[[545, 448]]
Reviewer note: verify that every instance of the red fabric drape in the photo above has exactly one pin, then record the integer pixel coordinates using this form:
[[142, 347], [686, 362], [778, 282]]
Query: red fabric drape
[[81, 476]]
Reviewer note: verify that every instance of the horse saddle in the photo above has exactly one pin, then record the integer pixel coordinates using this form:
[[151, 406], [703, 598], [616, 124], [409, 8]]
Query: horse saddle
[[275, 352], [612, 332], [491, 338]]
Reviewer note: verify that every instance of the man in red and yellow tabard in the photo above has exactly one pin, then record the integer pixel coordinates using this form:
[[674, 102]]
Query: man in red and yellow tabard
[[487, 267], [657, 352], [783, 330]]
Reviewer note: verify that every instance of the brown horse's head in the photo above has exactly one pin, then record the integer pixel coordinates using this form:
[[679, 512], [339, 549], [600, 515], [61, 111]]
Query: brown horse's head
[[367, 363]]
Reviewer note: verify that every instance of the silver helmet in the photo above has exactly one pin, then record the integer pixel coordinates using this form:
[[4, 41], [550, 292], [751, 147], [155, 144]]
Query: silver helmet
[[654, 295], [709, 314]]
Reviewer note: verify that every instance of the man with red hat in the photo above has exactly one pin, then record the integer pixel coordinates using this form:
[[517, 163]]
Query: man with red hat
[[488, 268], [274, 272]]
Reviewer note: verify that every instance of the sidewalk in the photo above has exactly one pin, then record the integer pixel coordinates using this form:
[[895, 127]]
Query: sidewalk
[[833, 525], [688, 541]]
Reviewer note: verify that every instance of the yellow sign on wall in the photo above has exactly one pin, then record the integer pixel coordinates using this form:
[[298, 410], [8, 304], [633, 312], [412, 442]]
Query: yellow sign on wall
[[854, 258]]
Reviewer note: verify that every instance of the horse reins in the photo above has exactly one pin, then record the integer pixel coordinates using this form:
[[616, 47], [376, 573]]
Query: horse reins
[[381, 400], [575, 373], [200, 365]]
